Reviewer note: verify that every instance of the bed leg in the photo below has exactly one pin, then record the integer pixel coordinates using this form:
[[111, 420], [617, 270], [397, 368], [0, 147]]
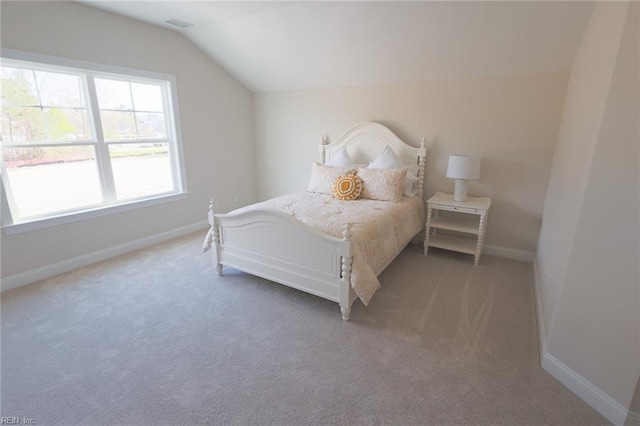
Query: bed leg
[[345, 282], [216, 256], [215, 238], [346, 311]]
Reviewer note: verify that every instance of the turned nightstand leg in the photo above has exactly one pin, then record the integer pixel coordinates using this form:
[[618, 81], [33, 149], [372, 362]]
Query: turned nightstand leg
[[481, 231], [427, 231]]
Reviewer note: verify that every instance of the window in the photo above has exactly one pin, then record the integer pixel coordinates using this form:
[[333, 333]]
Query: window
[[76, 139]]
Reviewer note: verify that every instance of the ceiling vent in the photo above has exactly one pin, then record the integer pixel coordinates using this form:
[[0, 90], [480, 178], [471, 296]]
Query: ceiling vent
[[179, 23]]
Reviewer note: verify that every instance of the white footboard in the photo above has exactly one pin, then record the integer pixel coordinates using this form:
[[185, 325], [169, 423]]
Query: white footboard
[[275, 246]]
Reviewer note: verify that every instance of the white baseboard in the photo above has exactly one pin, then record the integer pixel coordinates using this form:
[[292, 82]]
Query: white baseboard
[[633, 419], [608, 407], [48, 271], [542, 333], [509, 253]]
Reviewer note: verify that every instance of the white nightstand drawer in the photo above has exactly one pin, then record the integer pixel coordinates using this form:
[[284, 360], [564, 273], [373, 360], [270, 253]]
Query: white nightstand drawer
[[455, 208]]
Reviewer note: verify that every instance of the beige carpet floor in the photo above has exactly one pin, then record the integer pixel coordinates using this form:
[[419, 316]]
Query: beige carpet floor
[[154, 338]]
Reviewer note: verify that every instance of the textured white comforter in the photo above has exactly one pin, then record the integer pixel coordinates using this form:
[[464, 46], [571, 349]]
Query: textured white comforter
[[380, 229]]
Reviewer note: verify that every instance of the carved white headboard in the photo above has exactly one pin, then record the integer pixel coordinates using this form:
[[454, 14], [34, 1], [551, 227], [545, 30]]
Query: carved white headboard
[[366, 140]]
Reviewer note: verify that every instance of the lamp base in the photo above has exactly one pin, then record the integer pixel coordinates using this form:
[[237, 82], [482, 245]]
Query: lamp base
[[460, 190]]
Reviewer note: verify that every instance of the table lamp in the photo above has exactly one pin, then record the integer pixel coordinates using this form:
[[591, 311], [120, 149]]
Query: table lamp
[[462, 168]]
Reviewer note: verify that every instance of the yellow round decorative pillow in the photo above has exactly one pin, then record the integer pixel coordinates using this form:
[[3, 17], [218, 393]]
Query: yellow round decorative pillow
[[347, 187]]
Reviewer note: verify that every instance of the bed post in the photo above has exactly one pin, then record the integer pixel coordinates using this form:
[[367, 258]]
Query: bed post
[[422, 156], [214, 233], [325, 141], [345, 282]]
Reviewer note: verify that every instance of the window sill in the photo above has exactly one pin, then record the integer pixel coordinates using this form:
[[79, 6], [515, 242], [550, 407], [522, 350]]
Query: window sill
[[20, 228]]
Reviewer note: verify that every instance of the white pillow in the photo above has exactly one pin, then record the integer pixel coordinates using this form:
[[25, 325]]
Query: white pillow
[[323, 177], [340, 158], [387, 159], [411, 182]]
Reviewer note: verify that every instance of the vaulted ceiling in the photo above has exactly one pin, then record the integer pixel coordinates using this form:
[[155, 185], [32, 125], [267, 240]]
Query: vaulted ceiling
[[273, 46]]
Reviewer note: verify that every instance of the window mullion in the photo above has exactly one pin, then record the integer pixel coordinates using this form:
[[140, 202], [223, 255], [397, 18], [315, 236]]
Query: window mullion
[[45, 122], [102, 149], [133, 107]]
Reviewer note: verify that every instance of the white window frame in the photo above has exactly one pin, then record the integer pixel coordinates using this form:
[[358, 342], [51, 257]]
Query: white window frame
[[110, 205]]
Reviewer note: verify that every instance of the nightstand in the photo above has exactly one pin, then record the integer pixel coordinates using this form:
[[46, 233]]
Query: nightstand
[[468, 218]]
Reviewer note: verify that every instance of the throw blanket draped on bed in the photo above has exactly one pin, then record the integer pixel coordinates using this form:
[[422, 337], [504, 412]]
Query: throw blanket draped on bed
[[380, 229]]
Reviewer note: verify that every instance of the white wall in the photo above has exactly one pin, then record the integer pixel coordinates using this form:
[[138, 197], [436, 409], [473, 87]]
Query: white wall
[[215, 113], [512, 122], [589, 246]]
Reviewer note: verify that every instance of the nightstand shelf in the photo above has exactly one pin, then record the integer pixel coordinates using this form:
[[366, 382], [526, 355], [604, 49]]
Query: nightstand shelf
[[452, 242], [459, 224], [462, 218]]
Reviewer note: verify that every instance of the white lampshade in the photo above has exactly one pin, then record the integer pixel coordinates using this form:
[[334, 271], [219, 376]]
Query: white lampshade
[[462, 168]]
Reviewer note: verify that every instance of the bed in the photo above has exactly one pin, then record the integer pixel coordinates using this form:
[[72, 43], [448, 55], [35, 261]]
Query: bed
[[317, 243]]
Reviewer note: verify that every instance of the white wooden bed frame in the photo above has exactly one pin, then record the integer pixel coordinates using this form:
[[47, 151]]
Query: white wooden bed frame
[[278, 247]]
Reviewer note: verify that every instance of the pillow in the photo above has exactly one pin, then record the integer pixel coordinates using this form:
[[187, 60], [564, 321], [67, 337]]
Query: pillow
[[323, 177], [382, 184], [387, 159], [410, 186], [347, 187], [340, 158], [411, 181]]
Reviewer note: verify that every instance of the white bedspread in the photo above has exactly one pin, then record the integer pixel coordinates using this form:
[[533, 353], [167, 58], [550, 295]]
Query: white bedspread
[[380, 229]]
